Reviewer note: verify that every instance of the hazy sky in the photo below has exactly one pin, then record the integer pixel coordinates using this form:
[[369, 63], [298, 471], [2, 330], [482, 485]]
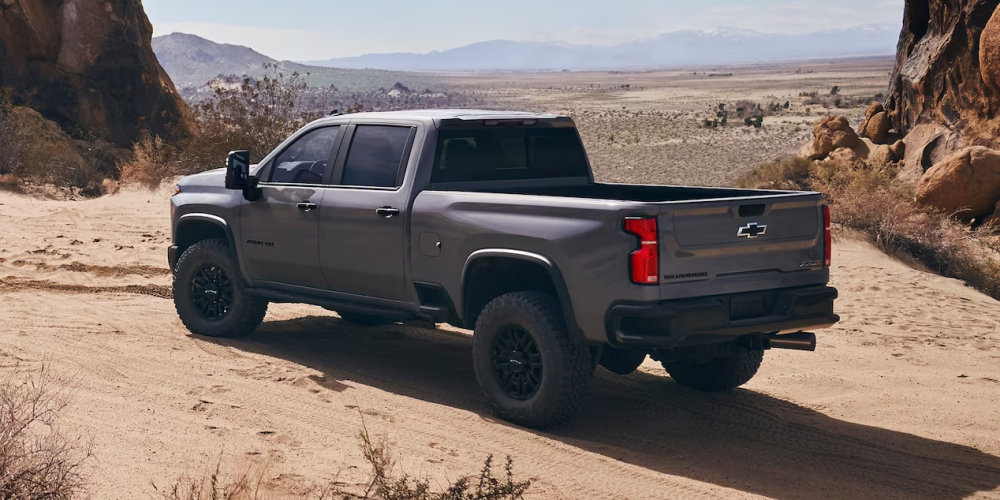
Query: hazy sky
[[321, 29]]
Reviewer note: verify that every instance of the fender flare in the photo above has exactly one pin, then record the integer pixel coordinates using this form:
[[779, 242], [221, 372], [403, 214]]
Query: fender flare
[[221, 224], [562, 292]]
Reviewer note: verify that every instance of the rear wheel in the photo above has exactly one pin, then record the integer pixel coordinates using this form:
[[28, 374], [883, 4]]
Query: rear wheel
[[209, 295], [719, 374], [362, 319], [530, 369]]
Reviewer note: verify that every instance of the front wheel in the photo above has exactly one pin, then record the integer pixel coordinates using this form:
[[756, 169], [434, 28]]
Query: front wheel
[[208, 293], [530, 369], [719, 374]]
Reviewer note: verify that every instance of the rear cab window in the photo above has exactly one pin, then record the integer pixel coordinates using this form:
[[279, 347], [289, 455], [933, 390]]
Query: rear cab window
[[508, 153], [377, 156]]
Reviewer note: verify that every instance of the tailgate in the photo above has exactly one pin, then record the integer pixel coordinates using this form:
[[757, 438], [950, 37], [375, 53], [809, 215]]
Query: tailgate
[[704, 240]]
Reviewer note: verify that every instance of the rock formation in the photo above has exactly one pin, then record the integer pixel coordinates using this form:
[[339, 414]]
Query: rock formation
[[829, 134], [875, 126], [966, 183], [88, 65], [943, 66]]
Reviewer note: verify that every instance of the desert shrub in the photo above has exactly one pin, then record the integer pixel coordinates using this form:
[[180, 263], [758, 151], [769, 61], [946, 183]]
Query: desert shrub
[[152, 161], [213, 486], [255, 114], [792, 173], [872, 202], [389, 486], [384, 483], [36, 460], [10, 146], [10, 182]]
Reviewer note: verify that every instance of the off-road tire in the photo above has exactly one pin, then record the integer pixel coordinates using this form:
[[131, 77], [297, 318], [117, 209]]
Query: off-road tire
[[362, 319], [621, 361], [566, 364], [716, 375], [244, 313]]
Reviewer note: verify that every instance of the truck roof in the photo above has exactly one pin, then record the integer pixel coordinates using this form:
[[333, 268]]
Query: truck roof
[[436, 115]]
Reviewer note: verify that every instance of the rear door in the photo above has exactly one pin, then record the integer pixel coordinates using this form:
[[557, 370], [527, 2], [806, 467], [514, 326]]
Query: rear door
[[712, 239], [281, 229], [364, 214]]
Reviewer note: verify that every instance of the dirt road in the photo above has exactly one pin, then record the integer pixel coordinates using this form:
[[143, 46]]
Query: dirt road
[[900, 399]]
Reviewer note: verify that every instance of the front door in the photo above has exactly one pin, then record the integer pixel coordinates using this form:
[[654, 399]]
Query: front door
[[280, 240], [363, 216]]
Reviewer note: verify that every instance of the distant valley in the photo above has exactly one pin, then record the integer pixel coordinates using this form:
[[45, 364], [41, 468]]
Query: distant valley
[[191, 61], [684, 48]]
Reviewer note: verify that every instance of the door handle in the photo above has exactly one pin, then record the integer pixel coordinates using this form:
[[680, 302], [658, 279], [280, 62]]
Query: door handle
[[306, 206], [387, 212]]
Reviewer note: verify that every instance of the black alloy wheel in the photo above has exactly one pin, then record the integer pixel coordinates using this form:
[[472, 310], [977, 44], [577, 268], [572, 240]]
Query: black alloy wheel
[[212, 292], [517, 362]]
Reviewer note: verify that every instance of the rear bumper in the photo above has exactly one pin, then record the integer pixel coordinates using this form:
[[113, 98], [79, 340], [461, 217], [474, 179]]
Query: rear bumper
[[720, 318]]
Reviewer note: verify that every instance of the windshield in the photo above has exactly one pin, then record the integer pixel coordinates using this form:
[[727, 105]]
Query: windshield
[[508, 153]]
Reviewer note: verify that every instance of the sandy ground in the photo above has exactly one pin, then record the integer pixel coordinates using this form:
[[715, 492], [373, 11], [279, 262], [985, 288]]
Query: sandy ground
[[900, 399]]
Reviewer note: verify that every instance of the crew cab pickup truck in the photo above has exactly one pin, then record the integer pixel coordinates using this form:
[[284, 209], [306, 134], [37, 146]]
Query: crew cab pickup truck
[[492, 221]]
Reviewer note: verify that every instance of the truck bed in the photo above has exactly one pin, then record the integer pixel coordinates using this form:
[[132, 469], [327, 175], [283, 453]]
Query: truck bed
[[627, 192]]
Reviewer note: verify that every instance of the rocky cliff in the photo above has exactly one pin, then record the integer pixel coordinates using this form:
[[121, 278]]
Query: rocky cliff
[[88, 65], [945, 90]]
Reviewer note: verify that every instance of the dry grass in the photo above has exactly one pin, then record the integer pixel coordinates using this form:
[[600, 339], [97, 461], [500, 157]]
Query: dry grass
[[872, 202], [36, 459], [385, 482], [244, 486], [10, 182], [153, 161]]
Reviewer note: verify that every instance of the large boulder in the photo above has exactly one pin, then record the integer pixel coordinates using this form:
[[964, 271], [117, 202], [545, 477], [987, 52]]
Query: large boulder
[[989, 52], [965, 183], [831, 133], [925, 146], [945, 72], [875, 126], [89, 66], [881, 156]]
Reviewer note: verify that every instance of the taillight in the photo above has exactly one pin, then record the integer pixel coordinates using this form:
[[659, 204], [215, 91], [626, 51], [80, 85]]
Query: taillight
[[644, 263], [827, 241]]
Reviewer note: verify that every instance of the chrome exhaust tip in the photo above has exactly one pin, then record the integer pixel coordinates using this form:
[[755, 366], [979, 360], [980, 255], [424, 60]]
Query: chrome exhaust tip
[[799, 341]]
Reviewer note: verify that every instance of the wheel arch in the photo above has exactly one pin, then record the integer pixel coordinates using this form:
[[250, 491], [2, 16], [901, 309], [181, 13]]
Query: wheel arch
[[508, 270], [194, 227]]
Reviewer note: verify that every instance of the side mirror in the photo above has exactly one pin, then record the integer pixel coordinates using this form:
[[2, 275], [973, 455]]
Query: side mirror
[[251, 192], [237, 169]]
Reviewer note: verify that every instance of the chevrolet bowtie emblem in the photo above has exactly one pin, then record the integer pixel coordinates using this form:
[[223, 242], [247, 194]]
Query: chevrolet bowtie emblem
[[751, 230]]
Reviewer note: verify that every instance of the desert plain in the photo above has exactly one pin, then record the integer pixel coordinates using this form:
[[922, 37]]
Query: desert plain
[[900, 400]]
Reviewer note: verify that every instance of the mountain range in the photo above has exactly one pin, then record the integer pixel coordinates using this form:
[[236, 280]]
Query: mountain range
[[191, 61], [674, 49]]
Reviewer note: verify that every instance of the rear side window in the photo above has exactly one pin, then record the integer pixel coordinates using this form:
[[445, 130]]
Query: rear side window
[[507, 153], [376, 156], [306, 161]]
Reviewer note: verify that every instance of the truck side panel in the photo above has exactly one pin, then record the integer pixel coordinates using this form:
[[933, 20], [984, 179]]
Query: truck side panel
[[583, 238]]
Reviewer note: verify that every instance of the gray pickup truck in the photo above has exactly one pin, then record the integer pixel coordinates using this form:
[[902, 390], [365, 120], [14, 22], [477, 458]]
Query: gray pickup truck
[[492, 221]]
